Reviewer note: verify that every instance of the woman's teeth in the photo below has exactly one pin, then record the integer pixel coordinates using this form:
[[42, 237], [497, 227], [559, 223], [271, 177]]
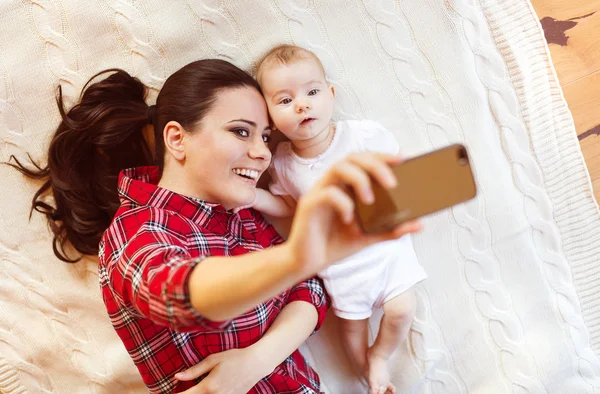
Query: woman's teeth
[[252, 174]]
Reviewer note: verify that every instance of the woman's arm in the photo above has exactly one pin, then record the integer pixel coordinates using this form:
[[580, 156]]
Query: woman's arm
[[324, 230], [222, 288], [157, 274], [289, 330]]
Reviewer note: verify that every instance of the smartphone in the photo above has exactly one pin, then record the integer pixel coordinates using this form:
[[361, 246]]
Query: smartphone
[[426, 184]]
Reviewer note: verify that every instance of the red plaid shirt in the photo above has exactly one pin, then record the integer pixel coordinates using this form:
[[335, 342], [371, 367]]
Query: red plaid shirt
[[146, 257]]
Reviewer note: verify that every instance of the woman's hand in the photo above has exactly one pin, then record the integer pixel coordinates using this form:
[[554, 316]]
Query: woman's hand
[[233, 371], [325, 229]]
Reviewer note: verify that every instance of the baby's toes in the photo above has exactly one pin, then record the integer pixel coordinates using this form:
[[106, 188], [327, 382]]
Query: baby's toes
[[378, 389]]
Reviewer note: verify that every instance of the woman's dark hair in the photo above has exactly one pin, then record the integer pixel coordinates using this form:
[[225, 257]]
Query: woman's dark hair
[[103, 134]]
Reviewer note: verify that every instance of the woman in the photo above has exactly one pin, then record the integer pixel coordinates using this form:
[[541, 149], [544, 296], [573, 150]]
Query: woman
[[180, 286]]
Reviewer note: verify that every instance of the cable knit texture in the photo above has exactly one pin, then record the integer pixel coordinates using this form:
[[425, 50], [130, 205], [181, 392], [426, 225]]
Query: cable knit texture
[[510, 305]]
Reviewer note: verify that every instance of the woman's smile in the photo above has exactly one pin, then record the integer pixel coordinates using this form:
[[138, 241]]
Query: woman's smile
[[247, 175]]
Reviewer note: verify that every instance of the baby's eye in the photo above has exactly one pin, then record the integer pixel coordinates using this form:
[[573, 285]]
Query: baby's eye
[[241, 132], [313, 92], [286, 100]]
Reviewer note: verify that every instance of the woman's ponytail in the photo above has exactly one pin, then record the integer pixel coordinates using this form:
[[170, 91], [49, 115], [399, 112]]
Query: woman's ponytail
[[96, 139]]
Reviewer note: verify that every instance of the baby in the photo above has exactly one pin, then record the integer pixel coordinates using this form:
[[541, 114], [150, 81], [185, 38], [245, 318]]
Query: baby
[[301, 103]]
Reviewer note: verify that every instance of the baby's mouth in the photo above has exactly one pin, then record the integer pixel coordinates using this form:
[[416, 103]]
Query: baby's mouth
[[307, 121]]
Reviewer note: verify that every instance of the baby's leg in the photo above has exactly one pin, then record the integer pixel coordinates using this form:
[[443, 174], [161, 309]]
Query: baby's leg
[[397, 317], [355, 339]]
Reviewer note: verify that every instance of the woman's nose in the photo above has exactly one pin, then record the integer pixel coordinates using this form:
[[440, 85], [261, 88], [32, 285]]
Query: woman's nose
[[259, 150]]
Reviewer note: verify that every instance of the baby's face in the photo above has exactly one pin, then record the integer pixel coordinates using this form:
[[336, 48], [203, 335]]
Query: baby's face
[[298, 98]]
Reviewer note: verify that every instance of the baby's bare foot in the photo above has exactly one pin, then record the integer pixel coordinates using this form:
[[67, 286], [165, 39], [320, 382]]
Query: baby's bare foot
[[378, 375]]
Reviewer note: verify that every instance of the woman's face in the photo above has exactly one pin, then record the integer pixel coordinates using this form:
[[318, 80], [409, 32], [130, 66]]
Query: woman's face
[[228, 152]]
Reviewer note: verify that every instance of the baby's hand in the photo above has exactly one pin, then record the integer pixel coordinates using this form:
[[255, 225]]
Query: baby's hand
[[251, 205]]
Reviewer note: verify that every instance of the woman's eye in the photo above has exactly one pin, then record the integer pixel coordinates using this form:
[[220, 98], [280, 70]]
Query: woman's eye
[[313, 92], [285, 101], [241, 132], [266, 138]]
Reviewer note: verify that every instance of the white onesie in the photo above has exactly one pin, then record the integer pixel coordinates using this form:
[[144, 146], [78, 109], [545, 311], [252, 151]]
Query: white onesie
[[376, 274]]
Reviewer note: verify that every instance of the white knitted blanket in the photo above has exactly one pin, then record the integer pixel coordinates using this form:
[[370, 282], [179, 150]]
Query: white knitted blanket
[[509, 305]]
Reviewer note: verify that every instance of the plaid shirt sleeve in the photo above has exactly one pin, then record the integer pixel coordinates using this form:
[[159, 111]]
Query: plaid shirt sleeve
[[152, 275], [268, 235], [313, 292]]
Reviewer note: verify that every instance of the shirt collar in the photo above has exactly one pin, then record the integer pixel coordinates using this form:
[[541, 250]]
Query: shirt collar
[[139, 187]]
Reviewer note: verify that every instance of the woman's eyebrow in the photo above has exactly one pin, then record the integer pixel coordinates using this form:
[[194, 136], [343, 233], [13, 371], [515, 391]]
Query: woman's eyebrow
[[251, 123]]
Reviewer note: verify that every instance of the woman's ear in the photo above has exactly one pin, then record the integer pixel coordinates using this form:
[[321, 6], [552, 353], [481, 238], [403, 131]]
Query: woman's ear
[[173, 135]]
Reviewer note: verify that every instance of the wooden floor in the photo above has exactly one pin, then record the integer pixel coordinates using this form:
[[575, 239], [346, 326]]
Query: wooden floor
[[572, 29]]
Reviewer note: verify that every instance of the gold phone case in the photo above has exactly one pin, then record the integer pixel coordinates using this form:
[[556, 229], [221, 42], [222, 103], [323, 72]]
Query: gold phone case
[[426, 184]]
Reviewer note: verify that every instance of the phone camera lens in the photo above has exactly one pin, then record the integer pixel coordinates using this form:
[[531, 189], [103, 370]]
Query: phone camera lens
[[463, 159]]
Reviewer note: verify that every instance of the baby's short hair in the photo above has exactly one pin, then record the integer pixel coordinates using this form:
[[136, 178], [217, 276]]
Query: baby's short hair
[[285, 54]]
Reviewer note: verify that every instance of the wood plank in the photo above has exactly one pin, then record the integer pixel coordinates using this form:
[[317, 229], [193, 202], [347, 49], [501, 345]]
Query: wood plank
[[564, 9], [571, 29], [583, 97], [590, 147], [593, 166]]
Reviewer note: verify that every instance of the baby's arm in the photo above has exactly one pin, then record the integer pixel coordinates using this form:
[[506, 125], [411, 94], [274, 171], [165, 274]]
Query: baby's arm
[[277, 206]]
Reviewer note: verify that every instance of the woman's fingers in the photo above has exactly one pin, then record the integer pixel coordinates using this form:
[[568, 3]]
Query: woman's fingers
[[412, 227], [377, 166], [354, 176], [356, 171], [340, 202], [203, 367], [344, 206]]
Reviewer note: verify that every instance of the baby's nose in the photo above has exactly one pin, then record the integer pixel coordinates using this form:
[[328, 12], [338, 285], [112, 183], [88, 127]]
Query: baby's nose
[[303, 105]]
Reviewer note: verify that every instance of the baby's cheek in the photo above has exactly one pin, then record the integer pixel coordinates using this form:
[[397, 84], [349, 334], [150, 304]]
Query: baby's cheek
[[281, 119]]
